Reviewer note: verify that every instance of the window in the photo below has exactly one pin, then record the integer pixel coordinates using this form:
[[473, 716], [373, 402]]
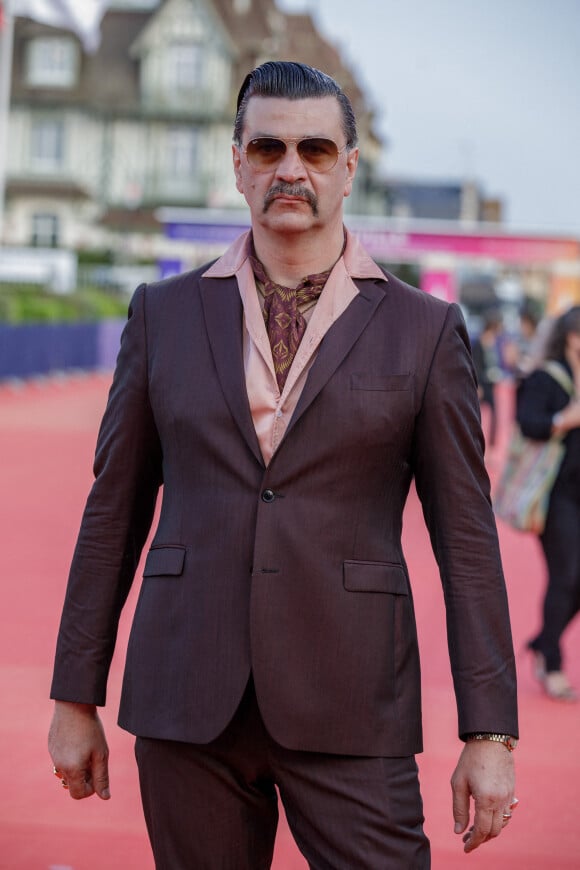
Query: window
[[184, 67], [44, 230], [47, 143], [182, 153], [52, 63]]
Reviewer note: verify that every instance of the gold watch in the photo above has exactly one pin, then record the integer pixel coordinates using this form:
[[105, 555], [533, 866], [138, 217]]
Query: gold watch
[[508, 741]]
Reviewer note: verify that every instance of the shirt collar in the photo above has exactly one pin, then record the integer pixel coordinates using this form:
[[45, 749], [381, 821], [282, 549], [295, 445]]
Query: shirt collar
[[357, 262]]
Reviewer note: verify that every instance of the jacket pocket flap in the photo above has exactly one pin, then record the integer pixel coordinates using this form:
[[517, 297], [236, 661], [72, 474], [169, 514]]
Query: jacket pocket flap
[[375, 577], [164, 560], [367, 381]]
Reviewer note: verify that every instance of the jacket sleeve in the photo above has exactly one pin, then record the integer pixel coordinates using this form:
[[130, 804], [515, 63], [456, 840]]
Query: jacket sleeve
[[115, 523], [454, 489]]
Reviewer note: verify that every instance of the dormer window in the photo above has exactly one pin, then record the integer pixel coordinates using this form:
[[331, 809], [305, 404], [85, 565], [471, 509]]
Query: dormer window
[[52, 62], [184, 67]]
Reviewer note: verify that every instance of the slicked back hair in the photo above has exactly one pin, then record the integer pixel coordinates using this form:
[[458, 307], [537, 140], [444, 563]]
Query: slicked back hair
[[293, 81]]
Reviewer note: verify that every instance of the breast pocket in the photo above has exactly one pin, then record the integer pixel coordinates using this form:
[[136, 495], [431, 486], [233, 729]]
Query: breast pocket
[[382, 407], [381, 383]]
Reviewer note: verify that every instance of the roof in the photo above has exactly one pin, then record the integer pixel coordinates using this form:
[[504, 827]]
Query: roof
[[45, 189], [131, 220], [109, 77]]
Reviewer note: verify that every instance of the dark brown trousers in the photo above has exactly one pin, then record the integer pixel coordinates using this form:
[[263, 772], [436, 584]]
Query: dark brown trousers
[[214, 806]]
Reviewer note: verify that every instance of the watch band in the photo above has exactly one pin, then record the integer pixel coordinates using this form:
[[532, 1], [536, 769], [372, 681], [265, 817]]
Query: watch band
[[508, 741]]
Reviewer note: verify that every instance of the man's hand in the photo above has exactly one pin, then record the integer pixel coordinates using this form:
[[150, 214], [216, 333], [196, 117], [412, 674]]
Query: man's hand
[[79, 751], [485, 771]]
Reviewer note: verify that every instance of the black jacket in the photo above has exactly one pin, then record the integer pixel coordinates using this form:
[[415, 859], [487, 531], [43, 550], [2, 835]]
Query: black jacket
[[540, 396]]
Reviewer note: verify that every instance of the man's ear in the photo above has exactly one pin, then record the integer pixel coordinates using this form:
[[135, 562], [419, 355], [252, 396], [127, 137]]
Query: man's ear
[[351, 165], [237, 160]]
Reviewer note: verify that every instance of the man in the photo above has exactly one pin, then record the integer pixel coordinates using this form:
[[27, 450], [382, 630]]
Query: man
[[486, 359], [274, 640]]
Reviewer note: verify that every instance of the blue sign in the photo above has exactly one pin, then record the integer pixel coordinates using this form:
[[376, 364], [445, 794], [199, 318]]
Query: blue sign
[[218, 234]]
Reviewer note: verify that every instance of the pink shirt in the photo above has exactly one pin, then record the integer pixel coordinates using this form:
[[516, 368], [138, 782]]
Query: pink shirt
[[271, 410]]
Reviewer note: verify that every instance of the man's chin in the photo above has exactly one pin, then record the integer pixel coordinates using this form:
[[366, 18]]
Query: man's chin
[[290, 206], [289, 221]]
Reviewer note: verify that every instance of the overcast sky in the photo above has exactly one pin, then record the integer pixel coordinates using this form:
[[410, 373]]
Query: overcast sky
[[484, 88]]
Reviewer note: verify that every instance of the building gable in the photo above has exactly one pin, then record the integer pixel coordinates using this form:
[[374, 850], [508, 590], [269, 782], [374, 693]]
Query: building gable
[[185, 59]]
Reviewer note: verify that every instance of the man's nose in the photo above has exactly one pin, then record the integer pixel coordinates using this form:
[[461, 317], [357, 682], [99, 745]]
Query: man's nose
[[291, 166]]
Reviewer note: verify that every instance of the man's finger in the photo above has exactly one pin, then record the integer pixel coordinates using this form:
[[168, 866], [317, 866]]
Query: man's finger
[[497, 824], [78, 784], [100, 779], [482, 829], [507, 813], [460, 806]]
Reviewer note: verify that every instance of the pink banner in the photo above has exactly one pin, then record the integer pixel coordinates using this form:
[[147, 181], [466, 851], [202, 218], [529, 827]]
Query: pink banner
[[440, 283], [517, 249]]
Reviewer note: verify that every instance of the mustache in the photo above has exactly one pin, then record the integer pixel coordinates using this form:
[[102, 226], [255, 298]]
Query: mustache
[[286, 189]]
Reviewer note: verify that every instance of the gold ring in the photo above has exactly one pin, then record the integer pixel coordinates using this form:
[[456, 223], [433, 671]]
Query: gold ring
[[506, 817], [59, 775]]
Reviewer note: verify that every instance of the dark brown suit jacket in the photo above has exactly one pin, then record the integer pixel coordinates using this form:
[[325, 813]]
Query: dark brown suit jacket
[[294, 571]]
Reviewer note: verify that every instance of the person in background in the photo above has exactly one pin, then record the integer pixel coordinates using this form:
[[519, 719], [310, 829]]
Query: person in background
[[285, 397], [524, 349], [545, 409], [487, 361]]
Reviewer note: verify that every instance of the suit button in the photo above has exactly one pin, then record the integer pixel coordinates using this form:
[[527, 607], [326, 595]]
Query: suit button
[[268, 495]]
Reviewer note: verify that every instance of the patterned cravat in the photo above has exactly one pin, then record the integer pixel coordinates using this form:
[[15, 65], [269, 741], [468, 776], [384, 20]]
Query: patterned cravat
[[285, 323]]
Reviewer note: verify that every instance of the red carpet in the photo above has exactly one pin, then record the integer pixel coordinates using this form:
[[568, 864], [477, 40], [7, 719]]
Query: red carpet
[[47, 435]]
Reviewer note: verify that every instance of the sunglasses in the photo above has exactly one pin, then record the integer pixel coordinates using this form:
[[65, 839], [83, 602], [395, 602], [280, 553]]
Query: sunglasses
[[315, 152]]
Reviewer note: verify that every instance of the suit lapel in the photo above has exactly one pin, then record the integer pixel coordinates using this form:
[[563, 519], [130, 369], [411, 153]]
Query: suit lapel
[[223, 313], [338, 341]]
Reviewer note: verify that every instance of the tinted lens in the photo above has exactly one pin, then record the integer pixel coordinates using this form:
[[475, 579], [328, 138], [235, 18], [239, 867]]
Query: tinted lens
[[317, 154], [265, 152]]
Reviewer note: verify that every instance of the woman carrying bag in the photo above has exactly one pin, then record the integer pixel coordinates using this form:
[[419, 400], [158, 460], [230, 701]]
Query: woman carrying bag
[[546, 409]]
